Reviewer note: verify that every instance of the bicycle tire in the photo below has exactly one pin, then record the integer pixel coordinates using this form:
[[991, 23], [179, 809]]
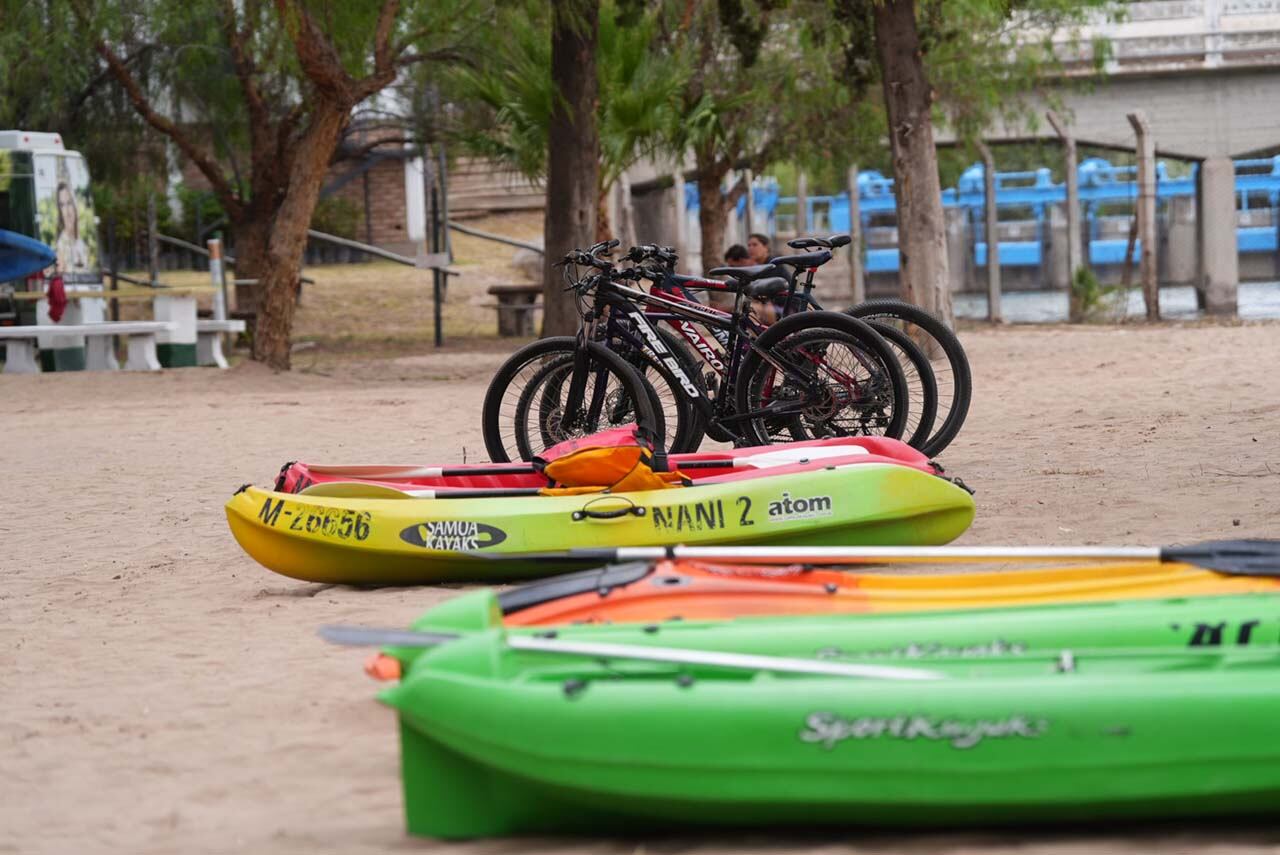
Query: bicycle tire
[[920, 375], [546, 386], [630, 384], [859, 335], [960, 380]]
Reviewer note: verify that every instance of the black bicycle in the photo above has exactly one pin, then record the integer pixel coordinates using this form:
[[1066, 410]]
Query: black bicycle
[[937, 368], [811, 375]]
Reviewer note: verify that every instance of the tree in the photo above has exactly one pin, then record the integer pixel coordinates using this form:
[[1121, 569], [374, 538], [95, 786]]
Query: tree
[[277, 81], [507, 108], [986, 57], [573, 153], [908, 98], [762, 87]]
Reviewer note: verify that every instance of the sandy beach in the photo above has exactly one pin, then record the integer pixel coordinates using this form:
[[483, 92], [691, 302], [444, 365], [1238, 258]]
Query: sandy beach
[[160, 692]]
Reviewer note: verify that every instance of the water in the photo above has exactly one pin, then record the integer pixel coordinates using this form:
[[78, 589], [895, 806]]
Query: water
[[1257, 300]]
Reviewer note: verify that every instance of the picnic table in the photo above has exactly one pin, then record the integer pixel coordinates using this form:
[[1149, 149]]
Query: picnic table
[[516, 306], [180, 338]]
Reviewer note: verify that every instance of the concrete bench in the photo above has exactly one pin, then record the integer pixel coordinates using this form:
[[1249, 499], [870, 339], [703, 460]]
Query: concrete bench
[[209, 340], [516, 306], [100, 355]]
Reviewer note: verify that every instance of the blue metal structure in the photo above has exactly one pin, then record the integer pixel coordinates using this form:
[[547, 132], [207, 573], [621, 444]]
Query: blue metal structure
[[1029, 195]]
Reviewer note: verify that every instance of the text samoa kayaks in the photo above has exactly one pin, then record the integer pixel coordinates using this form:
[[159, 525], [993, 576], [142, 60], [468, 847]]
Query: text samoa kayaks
[[411, 540], [1132, 709], [700, 590]]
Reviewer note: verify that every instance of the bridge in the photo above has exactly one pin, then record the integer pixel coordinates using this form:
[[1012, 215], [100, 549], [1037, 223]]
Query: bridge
[[1206, 73]]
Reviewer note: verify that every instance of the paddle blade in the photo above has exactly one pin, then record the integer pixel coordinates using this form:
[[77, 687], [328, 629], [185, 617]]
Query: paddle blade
[[367, 636], [1235, 557]]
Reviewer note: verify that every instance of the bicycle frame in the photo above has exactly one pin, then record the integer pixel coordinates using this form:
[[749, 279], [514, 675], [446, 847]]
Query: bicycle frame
[[613, 300]]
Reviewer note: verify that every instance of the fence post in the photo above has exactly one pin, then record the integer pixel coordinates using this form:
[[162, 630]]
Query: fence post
[[1075, 239], [802, 204], [991, 227], [215, 276], [857, 285], [437, 287], [153, 243], [1146, 211], [749, 211]]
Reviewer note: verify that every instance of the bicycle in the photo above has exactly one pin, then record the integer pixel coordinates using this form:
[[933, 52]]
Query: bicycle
[[840, 378], [944, 386]]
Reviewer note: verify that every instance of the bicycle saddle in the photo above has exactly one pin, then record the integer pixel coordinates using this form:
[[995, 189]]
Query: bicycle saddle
[[804, 259], [833, 242], [771, 287], [747, 274]]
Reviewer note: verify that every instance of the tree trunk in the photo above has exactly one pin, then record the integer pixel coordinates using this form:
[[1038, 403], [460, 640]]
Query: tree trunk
[[280, 277], [251, 260], [713, 212], [922, 235], [573, 155], [604, 229]]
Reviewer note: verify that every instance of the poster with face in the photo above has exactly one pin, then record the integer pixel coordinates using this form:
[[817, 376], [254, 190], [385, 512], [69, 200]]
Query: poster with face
[[64, 209]]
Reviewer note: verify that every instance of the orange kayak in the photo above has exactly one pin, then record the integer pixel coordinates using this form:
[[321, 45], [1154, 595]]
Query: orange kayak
[[683, 589]]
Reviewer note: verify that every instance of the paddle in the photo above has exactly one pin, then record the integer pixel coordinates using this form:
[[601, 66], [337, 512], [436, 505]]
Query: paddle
[[367, 490], [359, 489], [1233, 557], [373, 637], [396, 472]]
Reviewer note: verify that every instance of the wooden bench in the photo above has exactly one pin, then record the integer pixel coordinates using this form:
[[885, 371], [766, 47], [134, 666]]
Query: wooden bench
[[100, 355], [516, 306], [209, 340]]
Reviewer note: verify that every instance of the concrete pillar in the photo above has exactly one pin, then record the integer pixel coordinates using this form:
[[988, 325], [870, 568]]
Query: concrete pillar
[[959, 258], [1216, 225], [857, 284], [677, 198], [991, 230], [1057, 251], [1146, 211], [1179, 264]]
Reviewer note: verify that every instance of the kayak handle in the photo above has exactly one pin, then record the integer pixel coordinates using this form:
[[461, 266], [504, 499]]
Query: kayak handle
[[616, 513]]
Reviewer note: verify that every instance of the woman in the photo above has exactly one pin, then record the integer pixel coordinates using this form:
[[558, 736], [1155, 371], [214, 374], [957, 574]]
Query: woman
[[73, 255]]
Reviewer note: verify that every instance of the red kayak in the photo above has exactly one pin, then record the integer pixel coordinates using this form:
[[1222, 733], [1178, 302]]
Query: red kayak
[[741, 463]]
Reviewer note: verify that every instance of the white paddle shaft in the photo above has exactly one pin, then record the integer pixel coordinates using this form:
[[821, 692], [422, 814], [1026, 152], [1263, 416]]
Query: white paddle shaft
[[745, 661], [866, 554]]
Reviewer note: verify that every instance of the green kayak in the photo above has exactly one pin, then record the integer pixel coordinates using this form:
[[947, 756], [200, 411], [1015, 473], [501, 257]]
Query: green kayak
[[1118, 710]]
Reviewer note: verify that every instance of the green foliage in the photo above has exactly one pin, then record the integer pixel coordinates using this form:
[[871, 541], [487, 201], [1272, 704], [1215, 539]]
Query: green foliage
[[337, 216], [1096, 302], [505, 104]]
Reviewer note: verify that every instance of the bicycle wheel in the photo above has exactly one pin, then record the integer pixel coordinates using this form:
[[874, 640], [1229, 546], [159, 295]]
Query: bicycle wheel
[[950, 368], [824, 377], [539, 408], [922, 386], [610, 394]]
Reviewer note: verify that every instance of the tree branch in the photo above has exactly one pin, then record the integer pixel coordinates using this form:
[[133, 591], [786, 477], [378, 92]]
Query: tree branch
[[231, 202], [320, 62], [243, 65], [439, 55]]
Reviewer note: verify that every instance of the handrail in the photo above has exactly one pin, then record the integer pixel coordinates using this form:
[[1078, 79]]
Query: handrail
[[199, 250], [468, 230]]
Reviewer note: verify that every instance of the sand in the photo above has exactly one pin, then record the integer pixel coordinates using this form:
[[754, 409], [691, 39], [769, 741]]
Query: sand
[[160, 692]]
